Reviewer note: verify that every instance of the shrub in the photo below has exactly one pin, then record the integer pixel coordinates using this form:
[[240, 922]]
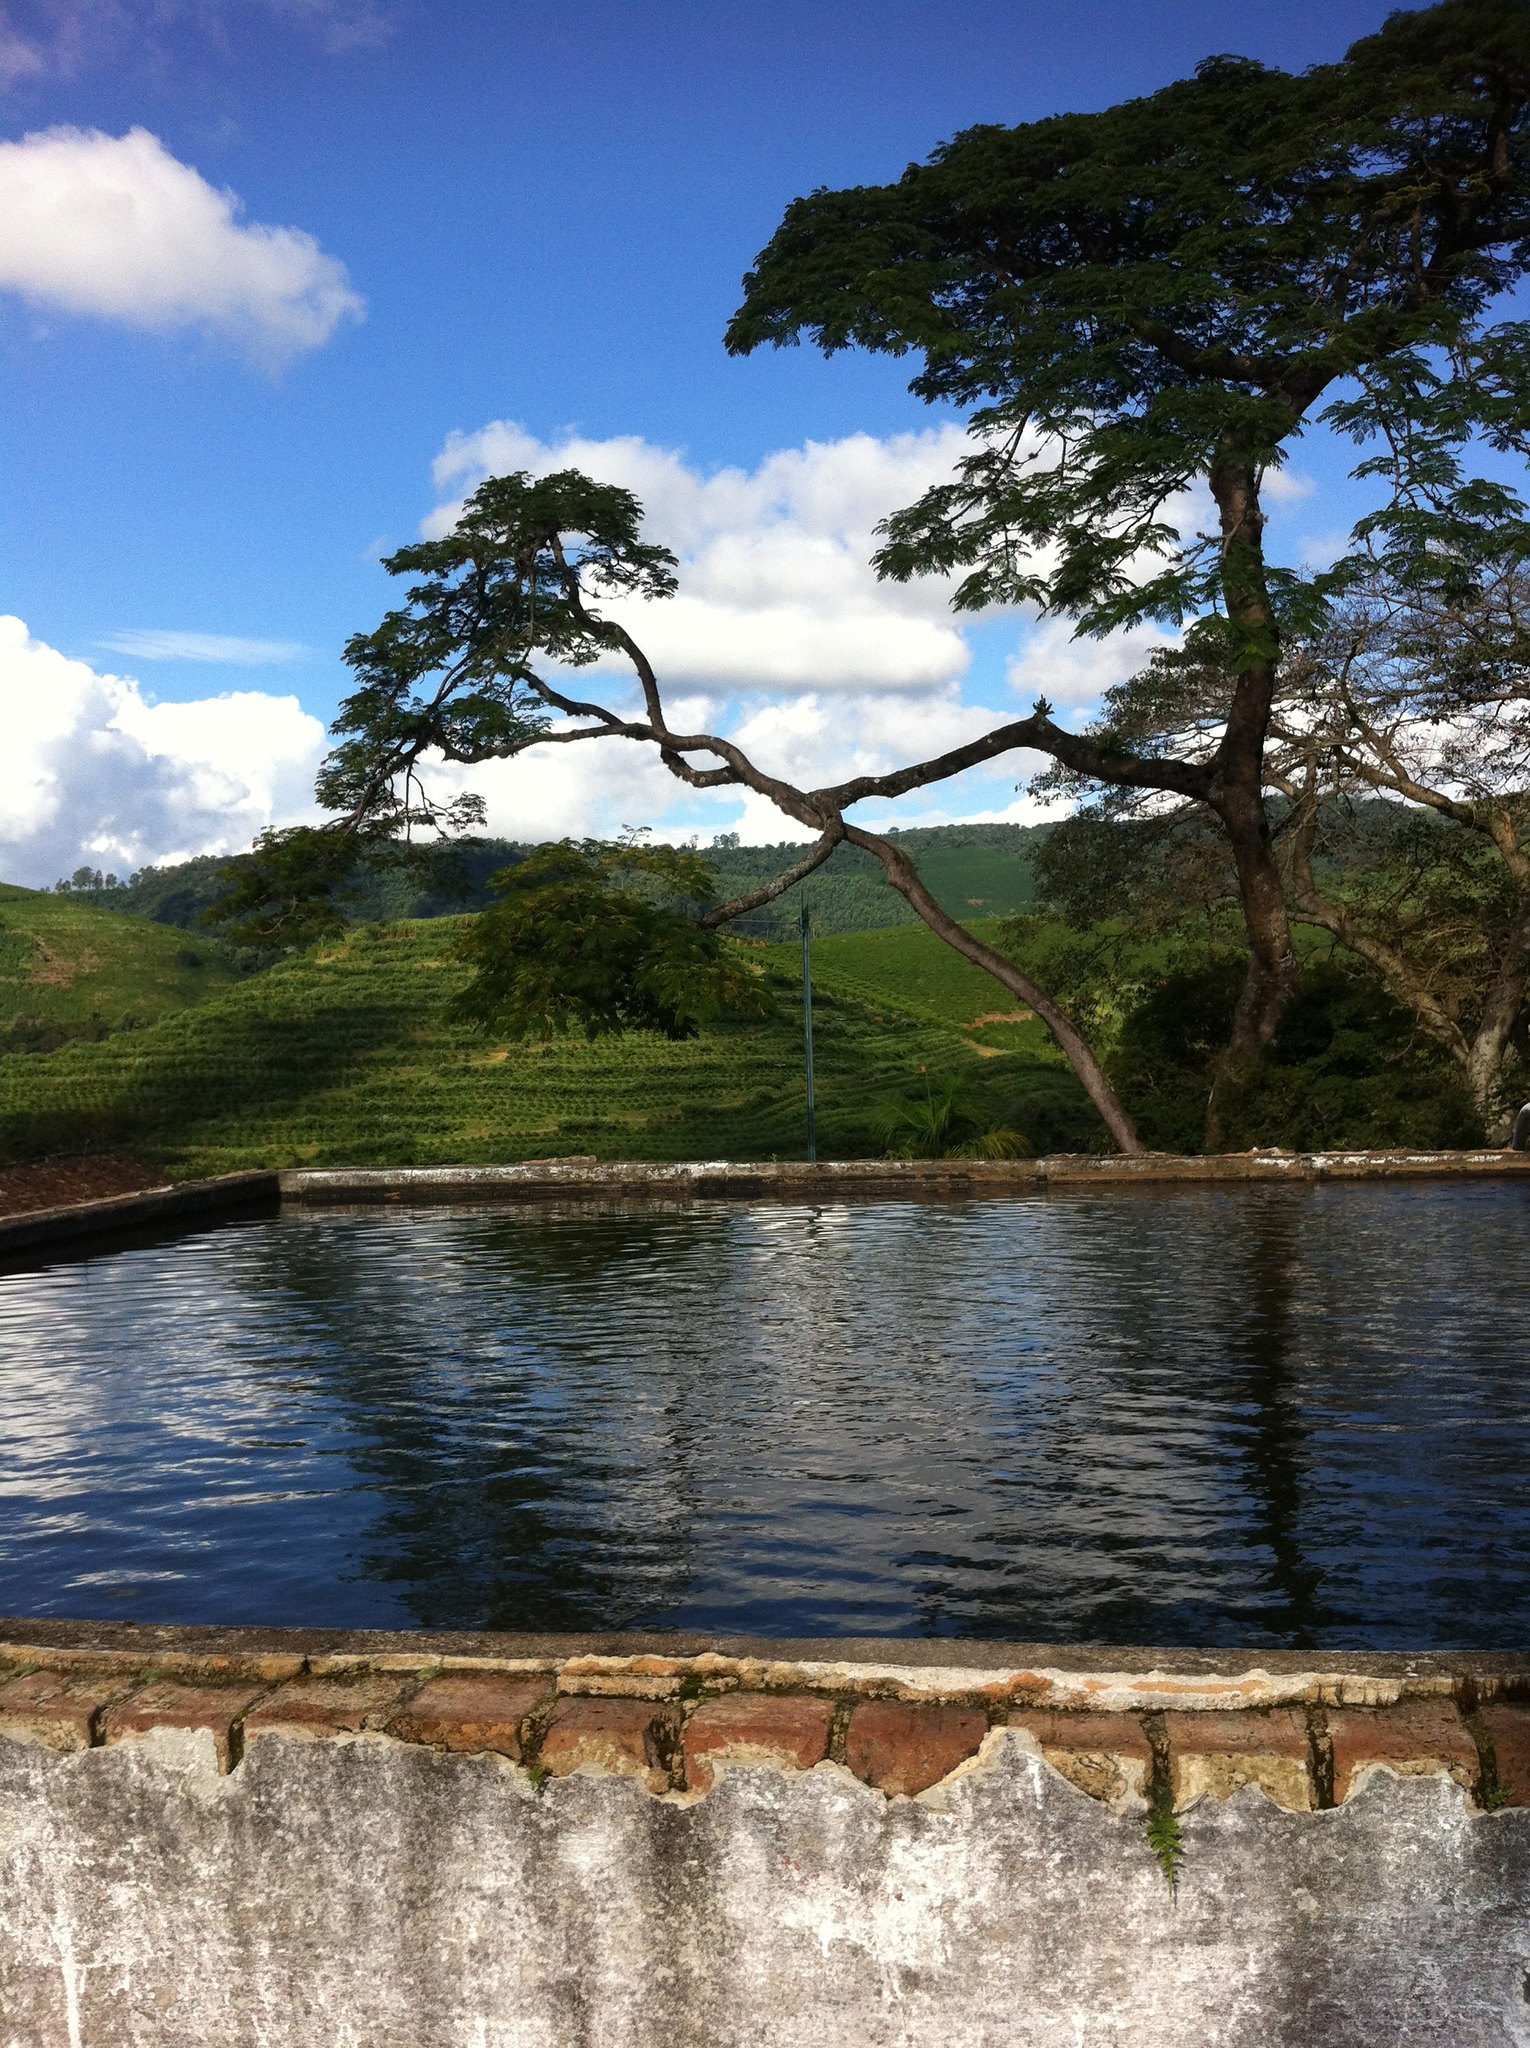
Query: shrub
[[1348, 1067]]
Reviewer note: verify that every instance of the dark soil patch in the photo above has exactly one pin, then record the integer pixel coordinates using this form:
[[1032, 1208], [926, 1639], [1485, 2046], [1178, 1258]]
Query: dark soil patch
[[53, 1183]]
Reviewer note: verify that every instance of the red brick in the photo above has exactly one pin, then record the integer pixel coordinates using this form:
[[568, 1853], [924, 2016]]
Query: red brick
[[59, 1708], [486, 1711], [1508, 1729], [1215, 1755], [623, 1738], [899, 1747], [170, 1704], [756, 1728], [1105, 1755], [310, 1708], [1421, 1738]]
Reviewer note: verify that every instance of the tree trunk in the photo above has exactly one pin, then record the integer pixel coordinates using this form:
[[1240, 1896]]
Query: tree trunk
[[1238, 792], [904, 877], [1273, 967], [1495, 1031]]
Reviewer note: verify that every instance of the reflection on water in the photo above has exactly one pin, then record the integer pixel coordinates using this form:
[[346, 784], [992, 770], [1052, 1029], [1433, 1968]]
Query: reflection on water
[[1264, 1416]]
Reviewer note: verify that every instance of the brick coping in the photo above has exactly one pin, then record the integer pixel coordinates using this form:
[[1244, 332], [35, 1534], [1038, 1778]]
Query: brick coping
[[1128, 1727]]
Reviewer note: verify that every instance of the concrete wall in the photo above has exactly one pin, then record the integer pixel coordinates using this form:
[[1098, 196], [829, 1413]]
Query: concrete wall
[[210, 1840]]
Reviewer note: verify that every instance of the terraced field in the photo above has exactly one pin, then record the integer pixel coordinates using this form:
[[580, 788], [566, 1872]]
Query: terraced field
[[346, 1057], [66, 963], [910, 970]]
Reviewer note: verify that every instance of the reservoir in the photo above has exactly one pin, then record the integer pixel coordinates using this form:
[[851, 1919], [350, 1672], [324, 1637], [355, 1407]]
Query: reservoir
[[1248, 1416]]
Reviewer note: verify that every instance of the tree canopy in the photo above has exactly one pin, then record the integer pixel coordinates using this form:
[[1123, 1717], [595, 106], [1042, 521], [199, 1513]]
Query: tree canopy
[[1132, 306], [1162, 296]]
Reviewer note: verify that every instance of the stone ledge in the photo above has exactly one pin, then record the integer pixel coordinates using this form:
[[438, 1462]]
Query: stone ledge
[[582, 1179], [190, 1199], [676, 1721]]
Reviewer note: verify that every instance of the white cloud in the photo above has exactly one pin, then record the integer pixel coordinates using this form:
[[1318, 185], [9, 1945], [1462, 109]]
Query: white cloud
[[819, 670], [782, 638], [1074, 674], [91, 772], [147, 644], [1284, 486], [776, 588], [115, 227]]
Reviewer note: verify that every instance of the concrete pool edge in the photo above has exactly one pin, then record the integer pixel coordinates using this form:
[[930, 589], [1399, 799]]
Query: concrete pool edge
[[172, 1202], [691, 1180], [573, 1179], [901, 1715]]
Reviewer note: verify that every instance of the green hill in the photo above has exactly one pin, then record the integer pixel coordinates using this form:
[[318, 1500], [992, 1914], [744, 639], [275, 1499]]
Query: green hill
[[910, 970], [69, 969], [968, 868], [345, 1057]]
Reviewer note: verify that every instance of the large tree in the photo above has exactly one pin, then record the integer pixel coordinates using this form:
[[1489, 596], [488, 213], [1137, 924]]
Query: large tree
[[478, 665], [1141, 305], [1397, 770], [1132, 305]]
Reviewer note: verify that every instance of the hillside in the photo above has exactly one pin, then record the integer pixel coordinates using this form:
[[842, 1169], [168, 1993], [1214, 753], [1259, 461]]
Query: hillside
[[69, 969], [909, 969], [968, 868], [345, 1057]]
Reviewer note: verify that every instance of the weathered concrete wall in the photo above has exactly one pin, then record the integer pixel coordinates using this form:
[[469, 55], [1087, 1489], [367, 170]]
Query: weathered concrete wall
[[211, 1841]]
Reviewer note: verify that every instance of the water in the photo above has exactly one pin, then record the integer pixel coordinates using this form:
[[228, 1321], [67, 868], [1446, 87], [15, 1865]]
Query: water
[[1256, 1417]]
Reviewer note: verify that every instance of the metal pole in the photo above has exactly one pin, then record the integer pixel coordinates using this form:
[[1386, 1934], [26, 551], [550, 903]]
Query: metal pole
[[807, 1030]]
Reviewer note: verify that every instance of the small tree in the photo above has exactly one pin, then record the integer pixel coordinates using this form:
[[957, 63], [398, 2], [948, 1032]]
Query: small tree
[[1398, 765], [1139, 304], [1425, 703]]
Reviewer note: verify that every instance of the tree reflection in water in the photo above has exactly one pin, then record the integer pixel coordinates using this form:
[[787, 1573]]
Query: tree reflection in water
[[1261, 1416]]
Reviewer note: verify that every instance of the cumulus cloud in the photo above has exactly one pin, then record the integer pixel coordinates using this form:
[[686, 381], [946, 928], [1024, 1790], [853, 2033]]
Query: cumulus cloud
[[785, 637], [117, 228], [1074, 674], [148, 644], [776, 590], [92, 772]]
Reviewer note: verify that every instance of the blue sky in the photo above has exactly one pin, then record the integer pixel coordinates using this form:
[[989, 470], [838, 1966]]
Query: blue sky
[[546, 213]]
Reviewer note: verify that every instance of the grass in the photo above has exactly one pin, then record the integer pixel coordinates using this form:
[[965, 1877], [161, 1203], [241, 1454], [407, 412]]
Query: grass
[[909, 970], [345, 1057], [65, 962]]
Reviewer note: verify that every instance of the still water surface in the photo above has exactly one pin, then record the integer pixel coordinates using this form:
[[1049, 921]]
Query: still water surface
[[1255, 1417]]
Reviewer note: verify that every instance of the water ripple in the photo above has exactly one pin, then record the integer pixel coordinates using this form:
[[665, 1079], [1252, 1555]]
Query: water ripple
[[1257, 1417]]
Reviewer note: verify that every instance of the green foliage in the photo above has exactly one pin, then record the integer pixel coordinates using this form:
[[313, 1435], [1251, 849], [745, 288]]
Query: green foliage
[[969, 869], [1166, 1842], [289, 891], [1347, 1067], [346, 1055], [947, 1120], [1171, 285], [86, 881], [575, 943], [71, 969]]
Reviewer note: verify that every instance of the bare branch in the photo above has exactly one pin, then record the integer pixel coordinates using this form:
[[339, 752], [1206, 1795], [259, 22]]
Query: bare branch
[[787, 879]]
